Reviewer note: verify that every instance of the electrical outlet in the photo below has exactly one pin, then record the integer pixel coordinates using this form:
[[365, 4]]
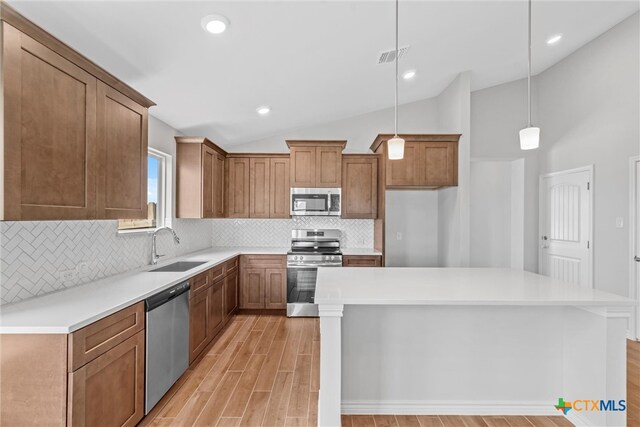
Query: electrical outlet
[[82, 269], [67, 275], [619, 222], [398, 236]]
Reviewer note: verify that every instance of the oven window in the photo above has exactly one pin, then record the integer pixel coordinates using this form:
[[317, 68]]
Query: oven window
[[305, 202], [301, 284]]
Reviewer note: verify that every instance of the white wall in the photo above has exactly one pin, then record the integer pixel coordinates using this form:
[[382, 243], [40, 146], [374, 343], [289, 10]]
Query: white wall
[[359, 131], [453, 203], [589, 114], [414, 214], [496, 214]]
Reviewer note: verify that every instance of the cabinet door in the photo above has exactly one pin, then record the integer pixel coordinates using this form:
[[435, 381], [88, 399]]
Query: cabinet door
[[252, 288], [50, 146], [275, 288], [328, 167], [279, 189], [439, 164], [303, 167], [110, 389], [216, 308], [259, 187], [362, 261], [122, 164], [402, 173], [238, 197], [218, 186], [199, 306], [360, 187], [208, 181], [230, 293]]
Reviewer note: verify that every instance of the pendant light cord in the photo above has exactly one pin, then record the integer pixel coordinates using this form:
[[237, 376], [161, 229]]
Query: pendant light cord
[[396, 104], [529, 66]]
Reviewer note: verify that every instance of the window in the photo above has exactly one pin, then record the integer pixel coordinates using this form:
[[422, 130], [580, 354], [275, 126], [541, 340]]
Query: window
[[158, 195]]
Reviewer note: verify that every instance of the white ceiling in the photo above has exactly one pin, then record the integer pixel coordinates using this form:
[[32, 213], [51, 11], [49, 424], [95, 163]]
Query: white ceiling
[[311, 61]]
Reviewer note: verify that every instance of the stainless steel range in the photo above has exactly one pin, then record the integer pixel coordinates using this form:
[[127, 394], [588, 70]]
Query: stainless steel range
[[310, 249]]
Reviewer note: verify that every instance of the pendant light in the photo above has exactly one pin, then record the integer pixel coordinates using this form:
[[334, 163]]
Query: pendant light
[[395, 146], [529, 136]]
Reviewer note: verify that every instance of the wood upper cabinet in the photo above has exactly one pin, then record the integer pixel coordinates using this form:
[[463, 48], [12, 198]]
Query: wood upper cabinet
[[118, 374], [316, 163], [122, 127], [275, 288], [259, 182], [238, 187], [430, 161], [75, 137], [279, 194], [359, 186], [200, 167]]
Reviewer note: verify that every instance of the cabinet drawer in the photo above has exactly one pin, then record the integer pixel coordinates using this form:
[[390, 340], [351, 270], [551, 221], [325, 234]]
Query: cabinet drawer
[[200, 282], [264, 261], [217, 273], [96, 339], [231, 265], [361, 261]]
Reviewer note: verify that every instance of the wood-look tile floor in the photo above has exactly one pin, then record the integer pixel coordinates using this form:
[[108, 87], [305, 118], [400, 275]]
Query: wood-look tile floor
[[265, 371]]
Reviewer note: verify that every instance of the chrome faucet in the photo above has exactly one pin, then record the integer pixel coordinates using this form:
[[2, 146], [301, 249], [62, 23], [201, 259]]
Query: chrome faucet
[[154, 247]]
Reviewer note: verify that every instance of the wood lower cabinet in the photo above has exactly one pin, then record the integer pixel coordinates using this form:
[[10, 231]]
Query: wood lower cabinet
[[109, 390], [275, 289], [200, 178], [263, 282], [231, 284], [199, 314], [74, 137], [362, 261], [359, 186], [216, 308], [316, 163]]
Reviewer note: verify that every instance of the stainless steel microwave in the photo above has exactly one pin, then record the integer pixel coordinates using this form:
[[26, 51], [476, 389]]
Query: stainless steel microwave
[[315, 201]]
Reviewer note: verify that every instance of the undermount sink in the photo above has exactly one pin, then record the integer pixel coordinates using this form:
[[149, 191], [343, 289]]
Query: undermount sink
[[179, 266]]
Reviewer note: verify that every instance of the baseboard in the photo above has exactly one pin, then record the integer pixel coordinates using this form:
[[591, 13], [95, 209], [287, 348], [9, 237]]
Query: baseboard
[[577, 419], [432, 407]]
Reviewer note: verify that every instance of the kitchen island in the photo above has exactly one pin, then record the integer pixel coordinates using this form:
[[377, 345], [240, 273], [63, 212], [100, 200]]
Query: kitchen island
[[467, 341]]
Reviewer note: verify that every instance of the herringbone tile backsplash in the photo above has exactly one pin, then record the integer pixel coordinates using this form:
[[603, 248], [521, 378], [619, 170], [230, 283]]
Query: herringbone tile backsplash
[[46, 256]]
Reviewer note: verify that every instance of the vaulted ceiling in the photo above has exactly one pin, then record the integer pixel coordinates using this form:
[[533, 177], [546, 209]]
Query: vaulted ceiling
[[310, 61]]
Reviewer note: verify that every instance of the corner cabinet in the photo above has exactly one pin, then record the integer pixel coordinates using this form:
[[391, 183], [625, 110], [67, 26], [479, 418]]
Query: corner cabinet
[[75, 138], [263, 282], [316, 164], [200, 167], [360, 186], [430, 161]]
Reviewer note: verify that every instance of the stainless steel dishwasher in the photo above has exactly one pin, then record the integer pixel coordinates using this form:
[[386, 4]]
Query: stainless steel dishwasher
[[167, 341]]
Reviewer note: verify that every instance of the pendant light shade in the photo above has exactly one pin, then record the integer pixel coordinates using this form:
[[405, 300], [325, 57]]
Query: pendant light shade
[[395, 146], [529, 136]]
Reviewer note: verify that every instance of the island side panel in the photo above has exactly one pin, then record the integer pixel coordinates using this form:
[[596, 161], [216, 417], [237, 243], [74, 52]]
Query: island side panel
[[329, 399], [492, 360], [33, 379]]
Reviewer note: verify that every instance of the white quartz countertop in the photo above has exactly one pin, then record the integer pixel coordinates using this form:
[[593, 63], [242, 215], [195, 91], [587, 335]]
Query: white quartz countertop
[[361, 251], [452, 286], [71, 309]]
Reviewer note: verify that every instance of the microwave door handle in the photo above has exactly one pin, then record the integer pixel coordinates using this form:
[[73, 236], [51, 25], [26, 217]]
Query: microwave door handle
[[328, 202]]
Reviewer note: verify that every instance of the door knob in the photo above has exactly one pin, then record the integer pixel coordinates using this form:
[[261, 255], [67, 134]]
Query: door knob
[[636, 258], [545, 238]]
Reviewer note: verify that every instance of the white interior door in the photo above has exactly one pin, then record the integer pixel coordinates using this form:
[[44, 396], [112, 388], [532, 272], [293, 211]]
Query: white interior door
[[634, 222], [565, 226]]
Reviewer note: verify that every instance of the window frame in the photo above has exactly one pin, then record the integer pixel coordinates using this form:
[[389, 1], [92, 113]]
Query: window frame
[[165, 190]]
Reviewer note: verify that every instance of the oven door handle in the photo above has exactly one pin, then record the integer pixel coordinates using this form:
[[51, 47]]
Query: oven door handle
[[314, 265]]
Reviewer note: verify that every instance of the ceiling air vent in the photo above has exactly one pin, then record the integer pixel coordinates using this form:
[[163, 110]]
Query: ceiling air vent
[[390, 55]]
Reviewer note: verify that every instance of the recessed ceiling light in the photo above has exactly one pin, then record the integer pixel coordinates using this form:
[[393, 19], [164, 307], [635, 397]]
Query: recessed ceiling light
[[554, 39], [215, 24], [263, 110], [408, 75]]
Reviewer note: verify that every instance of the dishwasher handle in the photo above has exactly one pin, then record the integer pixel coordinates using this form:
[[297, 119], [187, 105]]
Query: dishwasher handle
[[165, 296]]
